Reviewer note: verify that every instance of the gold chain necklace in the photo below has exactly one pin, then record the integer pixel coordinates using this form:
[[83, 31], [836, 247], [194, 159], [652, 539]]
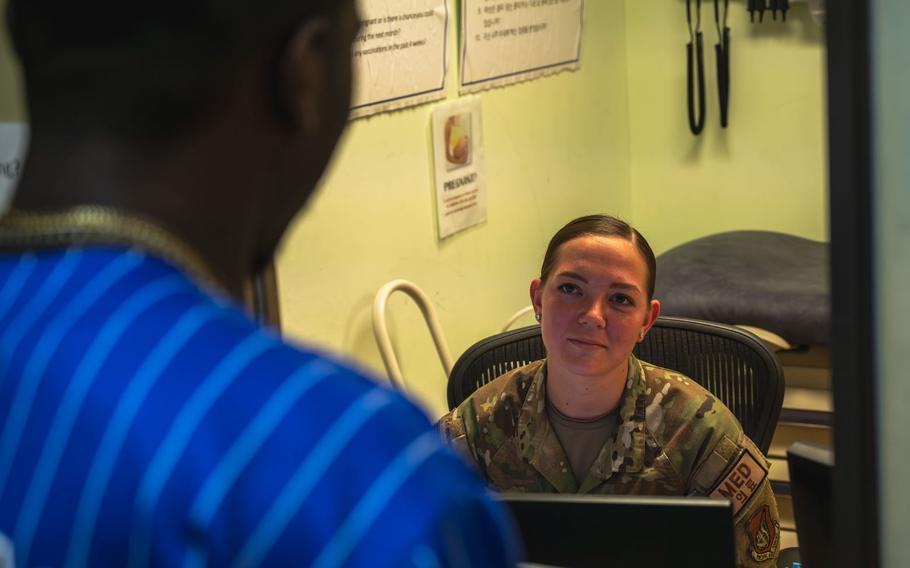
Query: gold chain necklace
[[96, 225]]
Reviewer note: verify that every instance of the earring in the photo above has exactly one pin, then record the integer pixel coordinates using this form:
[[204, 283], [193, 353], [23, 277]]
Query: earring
[[641, 336], [537, 316]]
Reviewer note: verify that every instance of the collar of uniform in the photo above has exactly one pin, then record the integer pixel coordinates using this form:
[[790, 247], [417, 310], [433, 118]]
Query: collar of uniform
[[537, 439], [622, 449]]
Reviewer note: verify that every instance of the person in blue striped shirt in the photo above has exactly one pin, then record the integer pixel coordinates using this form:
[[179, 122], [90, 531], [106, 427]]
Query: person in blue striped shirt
[[145, 418]]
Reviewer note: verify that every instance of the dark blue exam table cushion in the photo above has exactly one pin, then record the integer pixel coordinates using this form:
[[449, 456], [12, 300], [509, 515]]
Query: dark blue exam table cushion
[[770, 280]]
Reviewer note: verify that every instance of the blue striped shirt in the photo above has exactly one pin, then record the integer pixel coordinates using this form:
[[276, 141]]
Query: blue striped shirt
[[144, 422]]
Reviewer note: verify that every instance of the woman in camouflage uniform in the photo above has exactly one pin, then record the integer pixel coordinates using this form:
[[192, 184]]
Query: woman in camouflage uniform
[[592, 418]]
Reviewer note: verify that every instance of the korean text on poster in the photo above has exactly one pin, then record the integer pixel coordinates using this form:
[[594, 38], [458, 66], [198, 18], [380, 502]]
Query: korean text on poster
[[399, 56], [458, 160], [506, 41]]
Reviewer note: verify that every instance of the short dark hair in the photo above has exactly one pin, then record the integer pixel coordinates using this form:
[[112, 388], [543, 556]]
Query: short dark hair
[[604, 226], [145, 70]]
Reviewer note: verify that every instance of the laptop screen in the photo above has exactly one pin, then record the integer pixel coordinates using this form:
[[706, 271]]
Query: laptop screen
[[623, 530]]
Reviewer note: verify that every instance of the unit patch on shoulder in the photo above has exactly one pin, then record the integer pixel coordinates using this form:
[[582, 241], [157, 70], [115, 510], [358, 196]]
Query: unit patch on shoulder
[[740, 482], [764, 535]]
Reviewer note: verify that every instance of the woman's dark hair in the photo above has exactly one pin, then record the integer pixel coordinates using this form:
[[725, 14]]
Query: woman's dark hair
[[602, 226]]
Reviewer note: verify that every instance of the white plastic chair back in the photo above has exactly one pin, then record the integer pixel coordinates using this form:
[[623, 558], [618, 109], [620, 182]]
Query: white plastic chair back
[[381, 331]]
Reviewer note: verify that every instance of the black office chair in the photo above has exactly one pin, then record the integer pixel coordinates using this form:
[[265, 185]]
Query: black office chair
[[728, 361]]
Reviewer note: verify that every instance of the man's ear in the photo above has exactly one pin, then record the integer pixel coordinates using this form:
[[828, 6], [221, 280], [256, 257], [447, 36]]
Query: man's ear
[[303, 75]]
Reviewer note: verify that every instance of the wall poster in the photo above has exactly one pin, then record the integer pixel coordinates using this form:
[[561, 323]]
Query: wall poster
[[506, 41], [458, 160], [399, 56]]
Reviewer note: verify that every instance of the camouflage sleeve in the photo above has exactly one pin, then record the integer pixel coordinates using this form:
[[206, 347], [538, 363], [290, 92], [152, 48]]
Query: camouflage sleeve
[[737, 470], [454, 431]]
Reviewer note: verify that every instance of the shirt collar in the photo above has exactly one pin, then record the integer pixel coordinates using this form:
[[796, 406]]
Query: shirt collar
[[541, 448], [627, 447]]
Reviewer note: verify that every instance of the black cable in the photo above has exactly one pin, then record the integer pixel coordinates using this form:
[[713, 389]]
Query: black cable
[[695, 65], [722, 52]]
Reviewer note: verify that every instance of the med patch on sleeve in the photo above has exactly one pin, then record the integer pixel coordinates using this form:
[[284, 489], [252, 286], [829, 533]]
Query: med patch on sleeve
[[740, 482]]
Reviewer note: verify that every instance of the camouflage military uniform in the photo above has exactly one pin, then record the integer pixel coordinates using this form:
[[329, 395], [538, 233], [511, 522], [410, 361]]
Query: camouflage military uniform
[[674, 438]]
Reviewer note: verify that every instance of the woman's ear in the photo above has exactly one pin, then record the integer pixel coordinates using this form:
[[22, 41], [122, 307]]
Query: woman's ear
[[303, 75], [536, 293], [650, 318]]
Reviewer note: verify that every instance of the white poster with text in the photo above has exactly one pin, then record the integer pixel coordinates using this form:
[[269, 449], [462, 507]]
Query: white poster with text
[[399, 56], [458, 159], [506, 41]]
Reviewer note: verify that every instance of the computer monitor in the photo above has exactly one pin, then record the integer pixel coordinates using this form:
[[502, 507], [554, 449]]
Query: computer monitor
[[623, 530], [811, 476]]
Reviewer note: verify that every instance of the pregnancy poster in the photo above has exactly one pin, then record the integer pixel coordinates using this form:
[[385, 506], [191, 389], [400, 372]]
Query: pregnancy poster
[[458, 163]]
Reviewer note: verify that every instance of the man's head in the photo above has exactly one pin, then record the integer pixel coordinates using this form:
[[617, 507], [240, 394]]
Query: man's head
[[155, 75], [150, 70]]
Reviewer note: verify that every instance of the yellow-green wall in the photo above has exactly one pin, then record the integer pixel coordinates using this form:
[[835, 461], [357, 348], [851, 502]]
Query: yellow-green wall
[[556, 148], [12, 106], [767, 169]]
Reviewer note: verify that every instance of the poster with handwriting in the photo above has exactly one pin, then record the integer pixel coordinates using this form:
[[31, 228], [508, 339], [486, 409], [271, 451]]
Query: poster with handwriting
[[399, 55], [13, 146], [506, 41], [458, 160]]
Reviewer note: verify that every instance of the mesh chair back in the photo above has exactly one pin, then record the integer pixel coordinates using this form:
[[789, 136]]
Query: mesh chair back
[[729, 362]]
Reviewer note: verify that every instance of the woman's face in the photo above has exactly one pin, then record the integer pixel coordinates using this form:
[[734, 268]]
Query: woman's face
[[594, 307]]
